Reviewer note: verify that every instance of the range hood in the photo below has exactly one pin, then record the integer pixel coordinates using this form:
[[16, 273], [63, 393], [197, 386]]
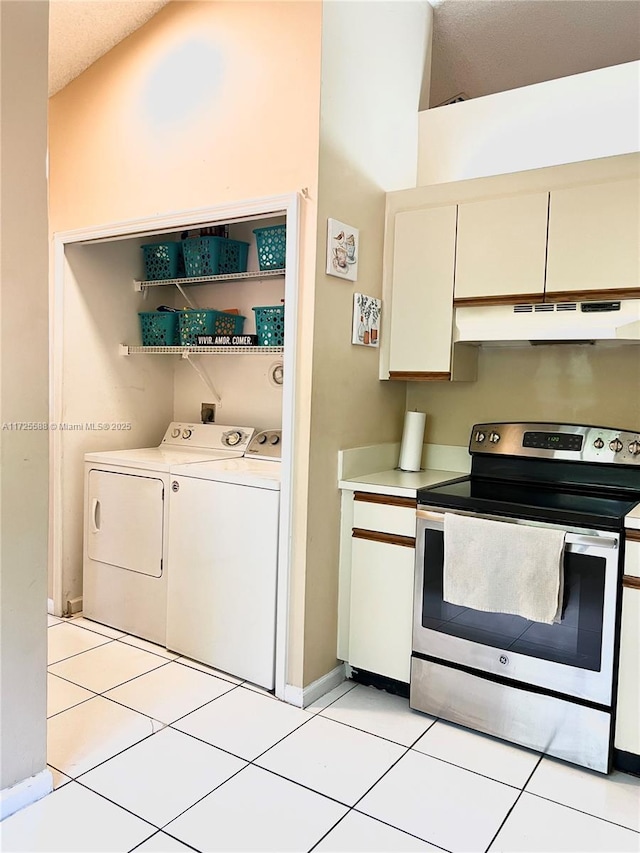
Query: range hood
[[548, 323]]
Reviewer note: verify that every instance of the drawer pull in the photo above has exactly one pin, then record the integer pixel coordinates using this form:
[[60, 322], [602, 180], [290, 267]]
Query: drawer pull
[[387, 538]]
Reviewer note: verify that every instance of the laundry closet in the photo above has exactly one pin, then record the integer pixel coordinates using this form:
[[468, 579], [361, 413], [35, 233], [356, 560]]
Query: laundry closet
[[111, 392]]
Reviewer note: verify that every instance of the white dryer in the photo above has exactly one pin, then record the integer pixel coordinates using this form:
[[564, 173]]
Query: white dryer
[[223, 552], [126, 523]]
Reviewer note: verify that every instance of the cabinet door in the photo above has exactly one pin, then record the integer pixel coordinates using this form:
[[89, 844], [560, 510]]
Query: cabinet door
[[594, 238], [628, 719], [422, 296], [381, 608], [501, 248]]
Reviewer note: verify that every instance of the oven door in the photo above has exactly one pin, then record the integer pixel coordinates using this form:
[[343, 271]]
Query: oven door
[[573, 657]]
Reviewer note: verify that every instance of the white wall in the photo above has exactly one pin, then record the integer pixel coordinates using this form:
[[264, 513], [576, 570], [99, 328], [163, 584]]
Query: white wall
[[582, 117], [23, 395], [373, 63]]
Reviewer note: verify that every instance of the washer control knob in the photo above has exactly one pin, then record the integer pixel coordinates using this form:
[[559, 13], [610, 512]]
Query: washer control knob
[[232, 438], [262, 439], [175, 432], [615, 445], [494, 437], [634, 447], [275, 439], [186, 433], [479, 436], [598, 444]]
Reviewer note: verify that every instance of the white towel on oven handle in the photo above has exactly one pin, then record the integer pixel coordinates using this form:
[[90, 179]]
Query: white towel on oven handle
[[504, 567]]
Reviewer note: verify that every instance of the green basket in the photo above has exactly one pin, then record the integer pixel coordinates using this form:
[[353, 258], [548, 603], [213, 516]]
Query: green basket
[[207, 322], [271, 243], [162, 260], [270, 325], [159, 328], [214, 256]]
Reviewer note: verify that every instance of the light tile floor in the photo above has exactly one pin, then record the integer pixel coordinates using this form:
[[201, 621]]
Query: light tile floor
[[153, 752]]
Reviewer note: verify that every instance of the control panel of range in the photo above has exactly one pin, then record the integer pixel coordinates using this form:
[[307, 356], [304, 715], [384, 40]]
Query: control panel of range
[[557, 441], [266, 445], [208, 436]]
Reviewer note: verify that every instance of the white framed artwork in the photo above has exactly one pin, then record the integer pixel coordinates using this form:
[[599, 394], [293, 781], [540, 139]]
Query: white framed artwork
[[366, 320], [342, 250]]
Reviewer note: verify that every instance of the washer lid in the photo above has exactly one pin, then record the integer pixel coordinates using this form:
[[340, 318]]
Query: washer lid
[[243, 471], [158, 458]]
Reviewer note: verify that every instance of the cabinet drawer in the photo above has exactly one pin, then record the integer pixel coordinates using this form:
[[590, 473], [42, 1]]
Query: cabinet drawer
[[385, 514], [632, 554]]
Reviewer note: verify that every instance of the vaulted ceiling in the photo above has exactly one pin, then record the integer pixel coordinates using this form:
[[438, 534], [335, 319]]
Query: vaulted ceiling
[[479, 46]]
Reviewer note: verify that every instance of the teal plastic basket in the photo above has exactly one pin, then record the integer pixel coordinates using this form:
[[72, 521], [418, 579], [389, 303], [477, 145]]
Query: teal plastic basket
[[208, 322], [159, 328], [271, 243], [162, 260], [270, 325], [214, 256]]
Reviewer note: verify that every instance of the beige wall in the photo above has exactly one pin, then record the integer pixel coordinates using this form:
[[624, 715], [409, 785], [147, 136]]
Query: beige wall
[[597, 385], [24, 388], [373, 59], [210, 102]]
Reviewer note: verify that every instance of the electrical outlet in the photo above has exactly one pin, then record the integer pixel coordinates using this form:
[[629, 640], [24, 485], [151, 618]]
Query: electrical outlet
[[207, 413]]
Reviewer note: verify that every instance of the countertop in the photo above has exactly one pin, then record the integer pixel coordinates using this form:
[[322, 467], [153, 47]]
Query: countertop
[[632, 520], [402, 484]]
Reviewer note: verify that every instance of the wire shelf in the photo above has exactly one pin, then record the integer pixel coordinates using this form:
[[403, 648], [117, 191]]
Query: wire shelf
[[195, 350], [253, 275]]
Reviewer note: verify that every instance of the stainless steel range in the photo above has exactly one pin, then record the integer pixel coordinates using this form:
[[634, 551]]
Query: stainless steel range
[[546, 685]]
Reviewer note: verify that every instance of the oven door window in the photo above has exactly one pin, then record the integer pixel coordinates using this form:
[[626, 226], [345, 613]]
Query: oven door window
[[576, 640]]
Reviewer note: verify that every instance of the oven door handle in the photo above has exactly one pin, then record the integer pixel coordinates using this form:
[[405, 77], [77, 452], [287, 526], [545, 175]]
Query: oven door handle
[[570, 538]]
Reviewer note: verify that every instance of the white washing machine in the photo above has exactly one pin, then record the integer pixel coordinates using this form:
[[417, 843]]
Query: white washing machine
[[126, 523], [223, 552]]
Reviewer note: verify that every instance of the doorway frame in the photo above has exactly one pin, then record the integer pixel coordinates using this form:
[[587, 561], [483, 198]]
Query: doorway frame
[[286, 204]]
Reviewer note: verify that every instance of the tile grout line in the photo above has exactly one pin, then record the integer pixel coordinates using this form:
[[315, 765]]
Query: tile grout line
[[515, 803], [580, 811]]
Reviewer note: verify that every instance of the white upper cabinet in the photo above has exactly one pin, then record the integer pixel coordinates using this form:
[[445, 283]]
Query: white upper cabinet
[[594, 237], [501, 247], [422, 304]]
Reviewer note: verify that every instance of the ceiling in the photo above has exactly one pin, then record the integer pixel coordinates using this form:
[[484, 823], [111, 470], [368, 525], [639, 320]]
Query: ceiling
[[479, 46]]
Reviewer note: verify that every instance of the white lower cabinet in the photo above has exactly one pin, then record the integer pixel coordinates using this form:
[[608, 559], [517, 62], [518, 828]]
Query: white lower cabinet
[[381, 553], [627, 736]]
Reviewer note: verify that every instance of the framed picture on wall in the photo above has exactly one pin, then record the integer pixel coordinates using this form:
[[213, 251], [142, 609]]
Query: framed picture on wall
[[366, 320], [342, 250]]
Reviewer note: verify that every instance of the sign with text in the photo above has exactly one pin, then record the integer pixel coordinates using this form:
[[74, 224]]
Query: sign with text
[[227, 340]]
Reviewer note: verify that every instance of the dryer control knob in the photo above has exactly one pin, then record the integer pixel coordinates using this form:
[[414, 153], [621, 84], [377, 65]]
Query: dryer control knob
[[175, 432], [186, 433], [262, 439], [275, 439]]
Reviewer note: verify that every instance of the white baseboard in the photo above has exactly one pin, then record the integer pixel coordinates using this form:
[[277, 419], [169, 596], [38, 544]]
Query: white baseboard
[[302, 697], [24, 793], [50, 606]]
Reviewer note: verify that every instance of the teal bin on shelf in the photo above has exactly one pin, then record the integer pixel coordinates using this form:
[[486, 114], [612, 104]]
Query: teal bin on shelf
[[270, 325], [214, 256], [159, 328], [162, 260], [271, 243], [207, 322]]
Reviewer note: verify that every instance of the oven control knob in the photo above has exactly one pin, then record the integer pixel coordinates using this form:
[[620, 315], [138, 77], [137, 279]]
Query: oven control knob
[[504, 660], [615, 445], [186, 433], [494, 437], [175, 432], [480, 437], [634, 447], [275, 439], [598, 444]]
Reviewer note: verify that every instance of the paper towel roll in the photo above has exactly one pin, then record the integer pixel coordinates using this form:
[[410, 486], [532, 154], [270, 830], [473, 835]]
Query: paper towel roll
[[412, 439]]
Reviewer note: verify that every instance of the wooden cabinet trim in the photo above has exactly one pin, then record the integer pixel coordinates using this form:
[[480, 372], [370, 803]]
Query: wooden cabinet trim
[[387, 500], [632, 535], [503, 299], [591, 295], [386, 538], [630, 582], [419, 376]]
